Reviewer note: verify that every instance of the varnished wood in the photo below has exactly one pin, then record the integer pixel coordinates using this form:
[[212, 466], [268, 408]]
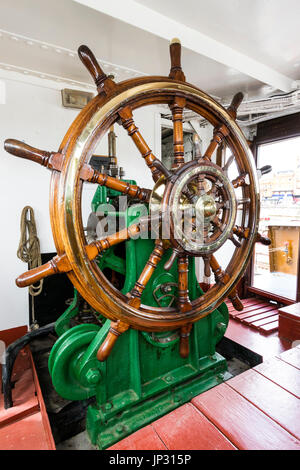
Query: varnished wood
[[116, 329], [184, 344], [174, 255], [178, 145], [90, 282], [223, 278], [61, 264], [206, 260], [175, 54], [245, 232], [184, 302], [93, 176], [139, 287], [133, 131], [219, 135], [239, 181], [102, 82], [51, 160], [235, 103], [263, 240]]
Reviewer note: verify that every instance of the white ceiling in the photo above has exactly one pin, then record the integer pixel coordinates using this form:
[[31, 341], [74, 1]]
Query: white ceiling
[[41, 37]]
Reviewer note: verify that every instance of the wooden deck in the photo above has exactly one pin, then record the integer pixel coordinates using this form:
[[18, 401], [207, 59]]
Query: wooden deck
[[257, 314], [257, 410]]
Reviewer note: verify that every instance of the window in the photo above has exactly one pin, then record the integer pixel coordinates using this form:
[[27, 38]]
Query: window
[[275, 268]]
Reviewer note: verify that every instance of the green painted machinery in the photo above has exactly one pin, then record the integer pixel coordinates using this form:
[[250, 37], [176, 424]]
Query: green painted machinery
[[145, 376]]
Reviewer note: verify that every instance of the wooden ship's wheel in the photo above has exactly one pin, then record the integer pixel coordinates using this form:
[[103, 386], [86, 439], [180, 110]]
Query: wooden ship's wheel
[[197, 188]]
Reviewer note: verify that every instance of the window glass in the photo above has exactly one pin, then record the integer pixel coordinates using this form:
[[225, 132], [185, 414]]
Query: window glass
[[275, 267]]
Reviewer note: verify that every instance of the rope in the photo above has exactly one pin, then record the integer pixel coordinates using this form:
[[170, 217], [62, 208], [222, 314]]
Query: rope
[[29, 251]]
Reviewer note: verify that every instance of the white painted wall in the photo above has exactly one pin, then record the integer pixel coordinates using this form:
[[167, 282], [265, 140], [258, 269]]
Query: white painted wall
[[34, 114]]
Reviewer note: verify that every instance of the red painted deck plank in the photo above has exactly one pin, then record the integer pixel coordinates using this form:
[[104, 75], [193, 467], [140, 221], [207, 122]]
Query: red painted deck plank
[[277, 403], [266, 346], [144, 439], [26, 434], [244, 424], [188, 429], [281, 373], [250, 308], [269, 328], [292, 357], [262, 316], [264, 321], [255, 312]]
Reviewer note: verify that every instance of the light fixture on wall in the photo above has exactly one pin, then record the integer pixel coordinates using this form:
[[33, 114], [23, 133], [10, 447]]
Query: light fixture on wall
[[75, 98]]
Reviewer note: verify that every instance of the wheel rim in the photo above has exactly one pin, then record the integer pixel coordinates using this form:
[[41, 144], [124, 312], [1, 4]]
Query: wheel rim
[[66, 188]]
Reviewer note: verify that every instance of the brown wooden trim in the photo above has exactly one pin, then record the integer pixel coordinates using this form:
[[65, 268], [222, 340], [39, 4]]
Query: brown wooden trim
[[44, 414], [270, 296], [274, 130], [12, 334]]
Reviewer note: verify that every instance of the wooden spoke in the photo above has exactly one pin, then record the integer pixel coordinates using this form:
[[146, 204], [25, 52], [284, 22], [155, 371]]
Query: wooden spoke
[[196, 140], [244, 200], [51, 160], [245, 232], [133, 131], [200, 184], [175, 253], [184, 302], [136, 293], [240, 180], [227, 164], [234, 241], [235, 103], [263, 240], [94, 176], [102, 82], [223, 277], [116, 329], [175, 55], [218, 223], [184, 346], [219, 135], [61, 264], [207, 271], [241, 232], [177, 115]]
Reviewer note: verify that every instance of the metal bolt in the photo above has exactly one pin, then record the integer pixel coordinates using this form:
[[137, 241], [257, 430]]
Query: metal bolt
[[120, 428], [93, 376], [108, 406], [169, 379]]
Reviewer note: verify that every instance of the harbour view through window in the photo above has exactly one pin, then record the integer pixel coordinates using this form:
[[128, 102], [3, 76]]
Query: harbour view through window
[[276, 266]]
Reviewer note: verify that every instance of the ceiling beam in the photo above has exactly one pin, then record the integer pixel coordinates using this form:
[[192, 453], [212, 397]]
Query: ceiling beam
[[153, 22]]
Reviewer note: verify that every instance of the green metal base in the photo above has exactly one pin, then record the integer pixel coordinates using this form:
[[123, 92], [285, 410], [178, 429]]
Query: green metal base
[[106, 427], [144, 377]]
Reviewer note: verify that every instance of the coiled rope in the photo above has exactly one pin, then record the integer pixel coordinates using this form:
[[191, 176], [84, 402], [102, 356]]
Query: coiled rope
[[29, 251]]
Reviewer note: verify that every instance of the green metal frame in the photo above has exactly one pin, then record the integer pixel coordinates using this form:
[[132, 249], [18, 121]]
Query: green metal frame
[[145, 376]]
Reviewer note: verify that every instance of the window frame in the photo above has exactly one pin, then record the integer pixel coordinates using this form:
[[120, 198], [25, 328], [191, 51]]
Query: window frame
[[270, 131]]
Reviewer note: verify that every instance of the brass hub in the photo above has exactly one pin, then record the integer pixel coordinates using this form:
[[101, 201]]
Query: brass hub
[[200, 220]]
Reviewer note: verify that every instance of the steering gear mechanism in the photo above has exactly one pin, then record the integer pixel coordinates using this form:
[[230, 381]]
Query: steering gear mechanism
[[194, 208]]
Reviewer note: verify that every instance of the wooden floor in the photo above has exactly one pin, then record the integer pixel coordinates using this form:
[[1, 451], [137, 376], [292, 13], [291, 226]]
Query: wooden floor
[[257, 314], [257, 410]]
